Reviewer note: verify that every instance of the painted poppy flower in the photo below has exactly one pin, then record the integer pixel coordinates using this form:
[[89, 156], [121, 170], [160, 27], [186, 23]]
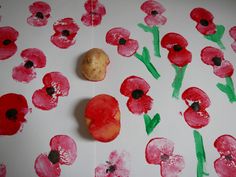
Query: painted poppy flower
[[13, 109], [8, 37], [225, 166], [95, 12], [215, 57], [197, 101], [65, 31], [40, 13], [33, 58], [63, 152], [232, 33], [154, 11], [55, 85], [136, 89], [120, 37], [117, 165], [159, 151], [3, 170], [204, 19]]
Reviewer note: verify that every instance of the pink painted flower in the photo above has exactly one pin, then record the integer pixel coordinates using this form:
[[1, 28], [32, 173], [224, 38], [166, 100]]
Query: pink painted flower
[[225, 166], [215, 57], [154, 11], [116, 166], [3, 170], [136, 89], [8, 37], [159, 151], [55, 85], [65, 31], [232, 33], [63, 152], [33, 58], [95, 12], [40, 13], [120, 37]]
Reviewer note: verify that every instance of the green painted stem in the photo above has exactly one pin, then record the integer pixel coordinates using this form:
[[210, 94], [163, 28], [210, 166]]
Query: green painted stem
[[150, 124]]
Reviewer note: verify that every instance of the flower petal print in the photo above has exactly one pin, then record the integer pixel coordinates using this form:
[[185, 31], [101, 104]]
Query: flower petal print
[[33, 58], [65, 31], [117, 165], [8, 37], [159, 151], [13, 109], [225, 166], [232, 33], [3, 170], [136, 89], [95, 12], [40, 13], [120, 38], [55, 85]]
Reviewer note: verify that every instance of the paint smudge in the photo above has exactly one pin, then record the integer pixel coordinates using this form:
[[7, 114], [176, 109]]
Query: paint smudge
[[8, 37], [225, 165], [63, 152], [55, 85], [117, 165], [159, 151], [221, 68], [232, 33], [13, 109], [151, 124], [94, 13], [179, 57], [33, 58], [65, 32], [3, 170], [40, 12]]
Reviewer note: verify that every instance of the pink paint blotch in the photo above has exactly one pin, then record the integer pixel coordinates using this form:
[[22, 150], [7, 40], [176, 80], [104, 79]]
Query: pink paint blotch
[[232, 33], [3, 170]]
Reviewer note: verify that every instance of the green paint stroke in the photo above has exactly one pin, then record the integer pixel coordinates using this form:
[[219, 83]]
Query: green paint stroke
[[228, 89], [146, 59], [156, 38], [177, 83], [200, 153], [220, 29], [150, 124]]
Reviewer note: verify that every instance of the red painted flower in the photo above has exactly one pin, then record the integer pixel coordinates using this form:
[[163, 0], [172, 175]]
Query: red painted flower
[[159, 151], [197, 101], [215, 57], [117, 165], [40, 13], [63, 152], [225, 166], [3, 170], [33, 58], [176, 45], [204, 20], [8, 36], [232, 33], [95, 12], [136, 89], [154, 11], [65, 31], [13, 108], [120, 37], [55, 85]]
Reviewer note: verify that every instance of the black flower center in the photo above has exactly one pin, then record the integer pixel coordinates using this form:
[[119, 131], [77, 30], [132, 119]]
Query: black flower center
[[229, 157], [65, 33], [11, 114], [164, 157], [111, 169], [195, 106], [54, 156], [217, 61], [122, 41], [50, 91], [177, 47], [204, 22], [6, 42], [39, 15], [136, 94], [29, 64], [154, 12]]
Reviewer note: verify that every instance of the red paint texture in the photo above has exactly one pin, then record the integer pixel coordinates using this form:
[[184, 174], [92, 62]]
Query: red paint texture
[[232, 33], [3, 170]]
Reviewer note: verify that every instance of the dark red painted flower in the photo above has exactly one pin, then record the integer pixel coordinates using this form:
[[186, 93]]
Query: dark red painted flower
[[176, 45], [3, 170], [65, 31], [204, 19], [13, 109], [33, 58], [120, 37], [215, 57], [63, 152], [95, 12], [225, 166], [232, 33], [8, 37], [154, 11], [197, 101], [55, 85], [136, 89], [40, 13], [159, 151]]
